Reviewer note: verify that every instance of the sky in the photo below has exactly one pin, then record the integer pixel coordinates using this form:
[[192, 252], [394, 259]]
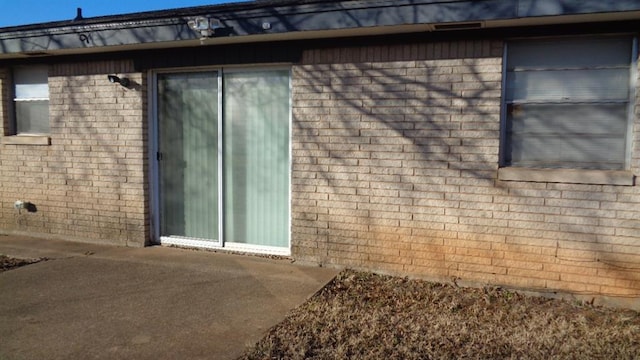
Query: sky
[[25, 12]]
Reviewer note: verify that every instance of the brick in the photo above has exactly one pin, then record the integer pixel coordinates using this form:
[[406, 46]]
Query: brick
[[520, 200], [427, 247], [618, 291], [484, 222], [467, 259], [619, 242], [430, 263], [606, 205], [588, 204], [571, 269], [576, 255], [521, 263], [595, 280], [481, 269]]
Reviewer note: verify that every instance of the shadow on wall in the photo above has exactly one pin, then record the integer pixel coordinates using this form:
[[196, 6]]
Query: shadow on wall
[[401, 147], [398, 151], [97, 159]]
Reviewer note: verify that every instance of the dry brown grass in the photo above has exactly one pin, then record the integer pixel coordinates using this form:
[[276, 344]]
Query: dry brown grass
[[366, 316]]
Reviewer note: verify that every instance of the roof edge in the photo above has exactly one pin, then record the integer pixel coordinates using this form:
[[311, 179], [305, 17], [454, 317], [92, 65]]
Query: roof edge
[[245, 21]]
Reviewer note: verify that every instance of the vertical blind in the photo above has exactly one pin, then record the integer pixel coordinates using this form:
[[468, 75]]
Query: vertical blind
[[567, 103], [256, 157], [188, 121]]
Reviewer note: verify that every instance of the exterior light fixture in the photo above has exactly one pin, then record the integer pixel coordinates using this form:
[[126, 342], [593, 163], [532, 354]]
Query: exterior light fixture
[[204, 26], [116, 80]]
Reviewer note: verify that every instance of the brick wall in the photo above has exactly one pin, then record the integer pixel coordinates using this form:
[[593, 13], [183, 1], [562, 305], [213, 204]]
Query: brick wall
[[395, 159], [90, 184]]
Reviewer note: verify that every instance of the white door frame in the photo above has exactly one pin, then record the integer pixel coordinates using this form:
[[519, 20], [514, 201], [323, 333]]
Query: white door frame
[[154, 168]]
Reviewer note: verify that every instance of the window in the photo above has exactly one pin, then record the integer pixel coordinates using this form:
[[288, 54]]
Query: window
[[31, 100], [567, 103]]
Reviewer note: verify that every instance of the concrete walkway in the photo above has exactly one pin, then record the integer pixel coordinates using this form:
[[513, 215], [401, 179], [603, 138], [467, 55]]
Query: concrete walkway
[[99, 302]]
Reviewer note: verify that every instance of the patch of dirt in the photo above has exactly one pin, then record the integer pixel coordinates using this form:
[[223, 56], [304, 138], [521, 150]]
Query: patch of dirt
[[361, 315], [8, 263]]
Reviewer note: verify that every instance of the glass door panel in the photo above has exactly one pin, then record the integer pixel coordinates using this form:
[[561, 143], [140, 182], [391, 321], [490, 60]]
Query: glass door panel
[[188, 153], [256, 157]]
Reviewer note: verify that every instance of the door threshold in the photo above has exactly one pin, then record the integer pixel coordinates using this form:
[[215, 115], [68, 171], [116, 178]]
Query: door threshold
[[190, 242], [257, 249], [230, 246]]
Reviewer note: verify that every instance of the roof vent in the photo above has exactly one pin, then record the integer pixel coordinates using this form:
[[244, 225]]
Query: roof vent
[[78, 14], [36, 53], [458, 26]]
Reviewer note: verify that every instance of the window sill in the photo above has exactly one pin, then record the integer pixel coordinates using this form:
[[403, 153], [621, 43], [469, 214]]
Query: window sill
[[26, 140], [569, 176]]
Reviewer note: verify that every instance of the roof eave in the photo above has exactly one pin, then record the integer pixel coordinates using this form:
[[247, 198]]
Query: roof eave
[[291, 21]]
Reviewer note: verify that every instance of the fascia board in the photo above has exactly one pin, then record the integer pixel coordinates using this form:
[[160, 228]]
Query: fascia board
[[296, 20]]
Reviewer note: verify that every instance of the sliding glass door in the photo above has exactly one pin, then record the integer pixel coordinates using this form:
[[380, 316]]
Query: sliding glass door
[[224, 159], [256, 157], [188, 154]]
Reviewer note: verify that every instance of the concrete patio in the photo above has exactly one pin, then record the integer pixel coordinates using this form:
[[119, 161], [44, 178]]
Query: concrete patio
[[99, 302]]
